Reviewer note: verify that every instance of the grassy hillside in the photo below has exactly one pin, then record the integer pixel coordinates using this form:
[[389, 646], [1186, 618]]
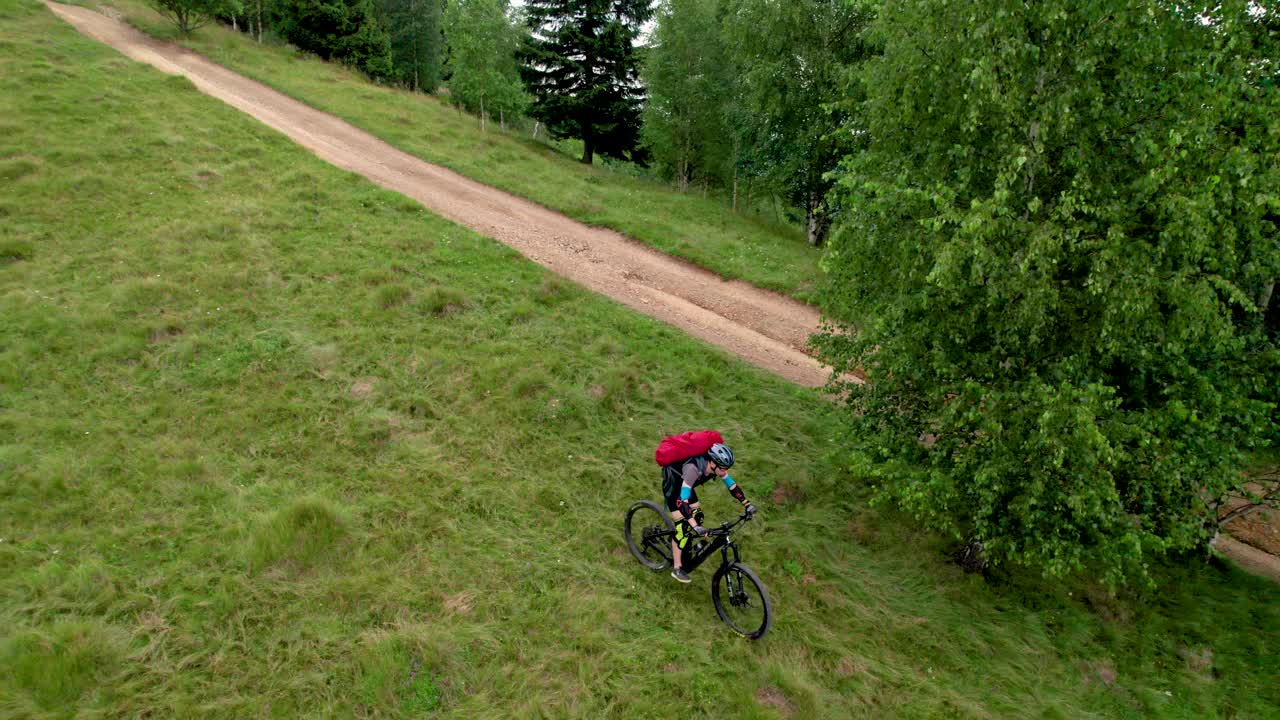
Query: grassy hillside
[[703, 231], [276, 442]]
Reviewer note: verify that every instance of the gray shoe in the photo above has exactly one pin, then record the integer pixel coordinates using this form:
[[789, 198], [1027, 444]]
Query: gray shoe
[[680, 575]]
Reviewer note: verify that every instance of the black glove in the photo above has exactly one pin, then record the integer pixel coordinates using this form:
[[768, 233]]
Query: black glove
[[751, 510], [700, 531]]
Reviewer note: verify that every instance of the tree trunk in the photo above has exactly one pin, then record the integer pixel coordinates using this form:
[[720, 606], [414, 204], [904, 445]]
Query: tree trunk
[[1269, 304], [481, 113], [260, 4], [413, 13], [588, 151], [686, 164], [234, 26], [817, 221], [735, 187]]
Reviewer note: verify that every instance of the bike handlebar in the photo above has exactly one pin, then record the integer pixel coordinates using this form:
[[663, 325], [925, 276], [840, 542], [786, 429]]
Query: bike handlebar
[[726, 526]]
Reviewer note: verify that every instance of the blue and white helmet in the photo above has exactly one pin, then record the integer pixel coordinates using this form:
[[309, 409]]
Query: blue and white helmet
[[721, 455]]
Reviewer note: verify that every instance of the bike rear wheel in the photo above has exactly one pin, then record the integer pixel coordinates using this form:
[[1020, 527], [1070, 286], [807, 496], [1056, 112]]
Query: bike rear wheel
[[741, 600], [648, 530]]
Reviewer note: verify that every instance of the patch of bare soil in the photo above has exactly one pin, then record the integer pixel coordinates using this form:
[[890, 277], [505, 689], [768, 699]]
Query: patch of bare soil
[[1249, 557], [1252, 539], [1258, 526], [1260, 529], [363, 387], [764, 328], [772, 697]]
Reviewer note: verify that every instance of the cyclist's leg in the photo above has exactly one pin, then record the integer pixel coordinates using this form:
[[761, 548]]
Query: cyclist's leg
[[671, 494], [684, 531]]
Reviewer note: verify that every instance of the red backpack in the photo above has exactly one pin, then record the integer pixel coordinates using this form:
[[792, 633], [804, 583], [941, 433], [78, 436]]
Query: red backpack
[[684, 446]]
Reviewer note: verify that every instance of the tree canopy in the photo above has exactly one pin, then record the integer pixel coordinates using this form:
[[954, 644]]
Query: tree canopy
[[190, 15], [1055, 268], [692, 86], [581, 68], [798, 61], [484, 75], [345, 30], [415, 31]]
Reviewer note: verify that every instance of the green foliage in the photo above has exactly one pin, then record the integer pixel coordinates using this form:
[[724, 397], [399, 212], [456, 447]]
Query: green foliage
[[1050, 270], [797, 61], [484, 75], [690, 82], [581, 67], [190, 15], [347, 31], [415, 31]]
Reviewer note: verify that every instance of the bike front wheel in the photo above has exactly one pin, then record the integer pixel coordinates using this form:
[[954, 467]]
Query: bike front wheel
[[648, 531], [741, 600]]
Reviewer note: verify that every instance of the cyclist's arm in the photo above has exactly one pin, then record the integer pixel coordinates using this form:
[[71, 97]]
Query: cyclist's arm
[[689, 474], [732, 486]]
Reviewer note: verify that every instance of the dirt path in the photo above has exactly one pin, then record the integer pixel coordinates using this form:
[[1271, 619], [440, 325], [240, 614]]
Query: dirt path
[[1249, 558], [764, 328]]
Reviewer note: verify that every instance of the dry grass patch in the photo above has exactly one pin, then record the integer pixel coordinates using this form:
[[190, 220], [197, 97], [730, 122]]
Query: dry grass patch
[[460, 603]]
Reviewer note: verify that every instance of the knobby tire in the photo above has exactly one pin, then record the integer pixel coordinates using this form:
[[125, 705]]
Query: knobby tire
[[736, 579], [645, 515]]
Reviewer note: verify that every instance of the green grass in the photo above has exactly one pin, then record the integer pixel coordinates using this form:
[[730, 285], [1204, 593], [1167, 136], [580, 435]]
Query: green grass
[[239, 477], [704, 231]]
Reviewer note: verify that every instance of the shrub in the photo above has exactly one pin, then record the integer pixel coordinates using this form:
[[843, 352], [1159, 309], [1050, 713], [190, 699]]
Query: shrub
[[1061, 297]]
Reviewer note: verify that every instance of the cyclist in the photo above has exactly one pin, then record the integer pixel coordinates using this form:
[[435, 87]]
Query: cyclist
[[679, 487]]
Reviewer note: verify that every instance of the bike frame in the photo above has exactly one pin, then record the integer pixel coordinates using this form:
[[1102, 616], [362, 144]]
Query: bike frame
[[695, 557], [721, 539]]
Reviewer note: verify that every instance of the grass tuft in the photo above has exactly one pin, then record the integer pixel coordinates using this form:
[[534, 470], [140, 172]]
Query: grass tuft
[[554, 289], [530, 382], [13, 250], [304, 534], [16, 168], [621, 386], [392, 674], [438, 301], [56, 668], [389, 296]]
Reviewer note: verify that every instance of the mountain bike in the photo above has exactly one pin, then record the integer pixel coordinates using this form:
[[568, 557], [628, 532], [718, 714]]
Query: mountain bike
[[740, 598]]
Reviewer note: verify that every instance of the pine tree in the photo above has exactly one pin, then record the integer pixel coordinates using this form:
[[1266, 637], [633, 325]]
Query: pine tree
[[347, 31], [581, 66]]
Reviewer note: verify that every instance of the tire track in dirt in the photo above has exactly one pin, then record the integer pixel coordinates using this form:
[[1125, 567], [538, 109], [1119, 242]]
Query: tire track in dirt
[[762, 327]]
